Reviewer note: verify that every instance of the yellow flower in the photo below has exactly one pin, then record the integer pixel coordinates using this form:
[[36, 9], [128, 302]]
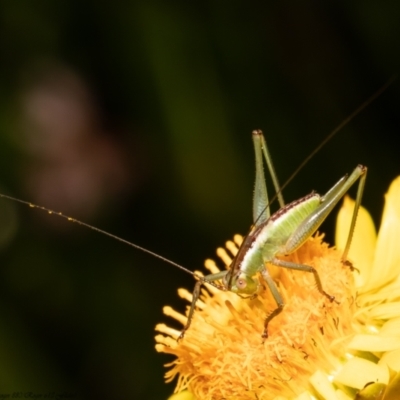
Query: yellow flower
[[315, 349]]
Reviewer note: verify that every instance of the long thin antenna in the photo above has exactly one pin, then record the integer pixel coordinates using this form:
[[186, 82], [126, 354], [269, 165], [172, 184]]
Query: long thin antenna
[[144, 250], [93, 228], [337, 129], [325, 141]]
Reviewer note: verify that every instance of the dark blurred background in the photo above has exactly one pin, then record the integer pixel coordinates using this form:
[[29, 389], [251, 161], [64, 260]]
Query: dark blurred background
[[136, 117]]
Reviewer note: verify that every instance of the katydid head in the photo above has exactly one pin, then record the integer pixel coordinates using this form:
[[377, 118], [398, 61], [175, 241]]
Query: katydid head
[[240, 283]]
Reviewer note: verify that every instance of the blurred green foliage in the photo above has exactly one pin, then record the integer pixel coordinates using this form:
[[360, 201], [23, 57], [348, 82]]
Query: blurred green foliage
[[176, 88]]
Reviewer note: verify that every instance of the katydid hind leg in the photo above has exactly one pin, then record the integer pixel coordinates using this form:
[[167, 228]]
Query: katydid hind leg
[[328, 202], [272, 172], [357, 205], [261, 209]]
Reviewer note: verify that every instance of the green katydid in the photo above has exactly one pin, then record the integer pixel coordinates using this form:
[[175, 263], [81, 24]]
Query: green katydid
[[286, 230], [270, 236], [278, 235]]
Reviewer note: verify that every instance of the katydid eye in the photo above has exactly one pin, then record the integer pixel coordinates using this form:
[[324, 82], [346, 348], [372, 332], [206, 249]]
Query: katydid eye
[[241, 283]]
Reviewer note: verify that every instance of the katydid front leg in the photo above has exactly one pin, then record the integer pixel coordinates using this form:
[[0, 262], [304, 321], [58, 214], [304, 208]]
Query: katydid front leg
[[196, 294]]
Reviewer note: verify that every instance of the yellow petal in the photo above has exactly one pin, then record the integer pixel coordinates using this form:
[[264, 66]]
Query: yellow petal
[[322, 385], [384, 311], [342, 395], [393, 390], [362, 247], [185, 395], [357, 372], [374, 343], [391, 328], [387, 256], [304, 396], [391, 359]]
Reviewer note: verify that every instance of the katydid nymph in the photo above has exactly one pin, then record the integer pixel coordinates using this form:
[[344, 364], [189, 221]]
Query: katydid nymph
[[279, 234], [270, 236]]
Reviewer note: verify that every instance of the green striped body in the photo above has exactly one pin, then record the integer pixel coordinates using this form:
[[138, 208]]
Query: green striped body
[[268, 240]]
